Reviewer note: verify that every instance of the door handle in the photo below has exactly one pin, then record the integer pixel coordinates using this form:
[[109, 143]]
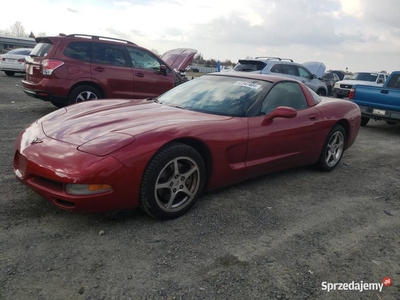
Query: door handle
[[139, 74], [98, 69], [313, 117], [384, 91]]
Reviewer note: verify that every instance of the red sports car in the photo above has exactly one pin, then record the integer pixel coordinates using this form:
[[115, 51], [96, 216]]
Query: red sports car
[[161, 154]]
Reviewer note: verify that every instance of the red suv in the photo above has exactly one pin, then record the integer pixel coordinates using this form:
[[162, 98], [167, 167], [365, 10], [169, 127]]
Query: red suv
[[67, 69]]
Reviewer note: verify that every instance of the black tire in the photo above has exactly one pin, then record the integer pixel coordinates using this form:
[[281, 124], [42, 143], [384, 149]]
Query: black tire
[[173, 186], [391, 122], [321, 92], [58, 105], [9, 73], [84, 93], [339, 96], [333, 149], [364, 121]]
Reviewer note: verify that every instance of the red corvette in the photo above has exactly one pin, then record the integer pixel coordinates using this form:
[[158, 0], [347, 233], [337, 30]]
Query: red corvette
[[160, 154]]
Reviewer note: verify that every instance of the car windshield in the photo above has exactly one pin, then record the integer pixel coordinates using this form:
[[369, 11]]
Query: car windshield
[[219, 95], [364, 76], [249, 66], [20, 52]]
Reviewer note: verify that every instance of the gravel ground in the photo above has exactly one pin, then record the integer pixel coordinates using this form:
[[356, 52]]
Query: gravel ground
[[275, 237]]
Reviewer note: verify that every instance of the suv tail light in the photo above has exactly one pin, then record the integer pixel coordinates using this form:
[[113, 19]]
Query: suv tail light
[[351, 93], [49, 65]]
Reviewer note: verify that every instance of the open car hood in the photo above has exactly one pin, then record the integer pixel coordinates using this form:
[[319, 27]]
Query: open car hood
[[315, 67], [179, 58]]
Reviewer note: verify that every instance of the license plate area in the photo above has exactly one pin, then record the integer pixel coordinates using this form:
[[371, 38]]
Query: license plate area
[[379, 112]]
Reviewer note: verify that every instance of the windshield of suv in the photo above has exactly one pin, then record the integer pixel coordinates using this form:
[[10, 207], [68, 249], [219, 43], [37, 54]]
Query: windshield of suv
[[249, 65], [364, 76], [219, 95]]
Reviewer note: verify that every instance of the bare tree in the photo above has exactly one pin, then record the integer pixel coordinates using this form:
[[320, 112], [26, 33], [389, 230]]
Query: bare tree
[[155, 52], [16, 30]]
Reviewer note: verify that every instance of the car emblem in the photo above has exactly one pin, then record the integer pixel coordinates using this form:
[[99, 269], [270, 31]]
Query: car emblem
[[36, 141]]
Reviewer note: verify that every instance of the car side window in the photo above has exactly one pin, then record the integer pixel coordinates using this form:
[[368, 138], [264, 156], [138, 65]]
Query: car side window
[[304, 73], [79, 50], [290, 70], [277, 69], [394, 81], [143, 60], [284, 94], [110, 55]]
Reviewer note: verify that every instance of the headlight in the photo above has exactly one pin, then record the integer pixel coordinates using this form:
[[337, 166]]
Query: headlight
[[107, 144], [337, 85]]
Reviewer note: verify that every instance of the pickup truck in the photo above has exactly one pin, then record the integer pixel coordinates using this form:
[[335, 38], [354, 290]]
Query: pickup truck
[[342, 88], [379, 103]]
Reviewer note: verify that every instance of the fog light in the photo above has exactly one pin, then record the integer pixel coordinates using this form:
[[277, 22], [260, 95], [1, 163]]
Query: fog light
[[87, 189]]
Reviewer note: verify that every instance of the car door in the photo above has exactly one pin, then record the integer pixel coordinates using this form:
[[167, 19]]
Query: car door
[[111, 69], [284, 142], [149, 80]]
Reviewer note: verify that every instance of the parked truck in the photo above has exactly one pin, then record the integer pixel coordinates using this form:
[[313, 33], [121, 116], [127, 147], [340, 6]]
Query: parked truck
[[342, 88], [379, 102]]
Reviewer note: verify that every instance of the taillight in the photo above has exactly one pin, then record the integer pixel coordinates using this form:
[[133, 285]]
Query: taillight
[[3, 59], [49, 65], [21, 60], [351, 93]]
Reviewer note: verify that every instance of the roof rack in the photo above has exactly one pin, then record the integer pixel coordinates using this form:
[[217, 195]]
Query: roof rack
[[271, 57], [96, 37]]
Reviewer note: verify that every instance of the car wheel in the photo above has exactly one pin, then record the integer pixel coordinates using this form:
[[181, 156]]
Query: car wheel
[[172, 182], [339, 96], [84, 93], [9, 73], [321, 93], [57, 104], [391, 122], [333, 149], [364, 121]]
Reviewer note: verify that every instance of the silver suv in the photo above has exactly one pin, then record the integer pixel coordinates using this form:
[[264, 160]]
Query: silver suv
[[308, 73]]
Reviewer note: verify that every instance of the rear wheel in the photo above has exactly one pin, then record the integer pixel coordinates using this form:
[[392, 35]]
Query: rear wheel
[[333, 149], [84, 93], [321, 92], [339, 96], [364, 121], [172, 182], [9, 73]]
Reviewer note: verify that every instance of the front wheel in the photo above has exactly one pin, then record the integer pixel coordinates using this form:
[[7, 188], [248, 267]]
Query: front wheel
[[364, 121], [333, 149], [321, 92], [9, 73], [172, 182], [84, 93]]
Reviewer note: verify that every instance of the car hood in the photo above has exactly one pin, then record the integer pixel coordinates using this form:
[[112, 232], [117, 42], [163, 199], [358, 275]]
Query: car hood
[[315, 67], [80, 123], [179, 58]]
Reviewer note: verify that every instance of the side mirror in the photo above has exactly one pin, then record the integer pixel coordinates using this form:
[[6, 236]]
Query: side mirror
[[163, 69], [279, 112]]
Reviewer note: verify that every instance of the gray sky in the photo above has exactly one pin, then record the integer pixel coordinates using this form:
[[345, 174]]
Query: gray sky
[[362, 35]]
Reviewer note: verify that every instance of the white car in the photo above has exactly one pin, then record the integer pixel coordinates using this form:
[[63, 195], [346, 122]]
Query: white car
[[14, 61]]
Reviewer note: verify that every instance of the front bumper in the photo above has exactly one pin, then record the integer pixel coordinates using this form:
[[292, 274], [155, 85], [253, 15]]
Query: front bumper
[[340, 92], [47, 166]]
